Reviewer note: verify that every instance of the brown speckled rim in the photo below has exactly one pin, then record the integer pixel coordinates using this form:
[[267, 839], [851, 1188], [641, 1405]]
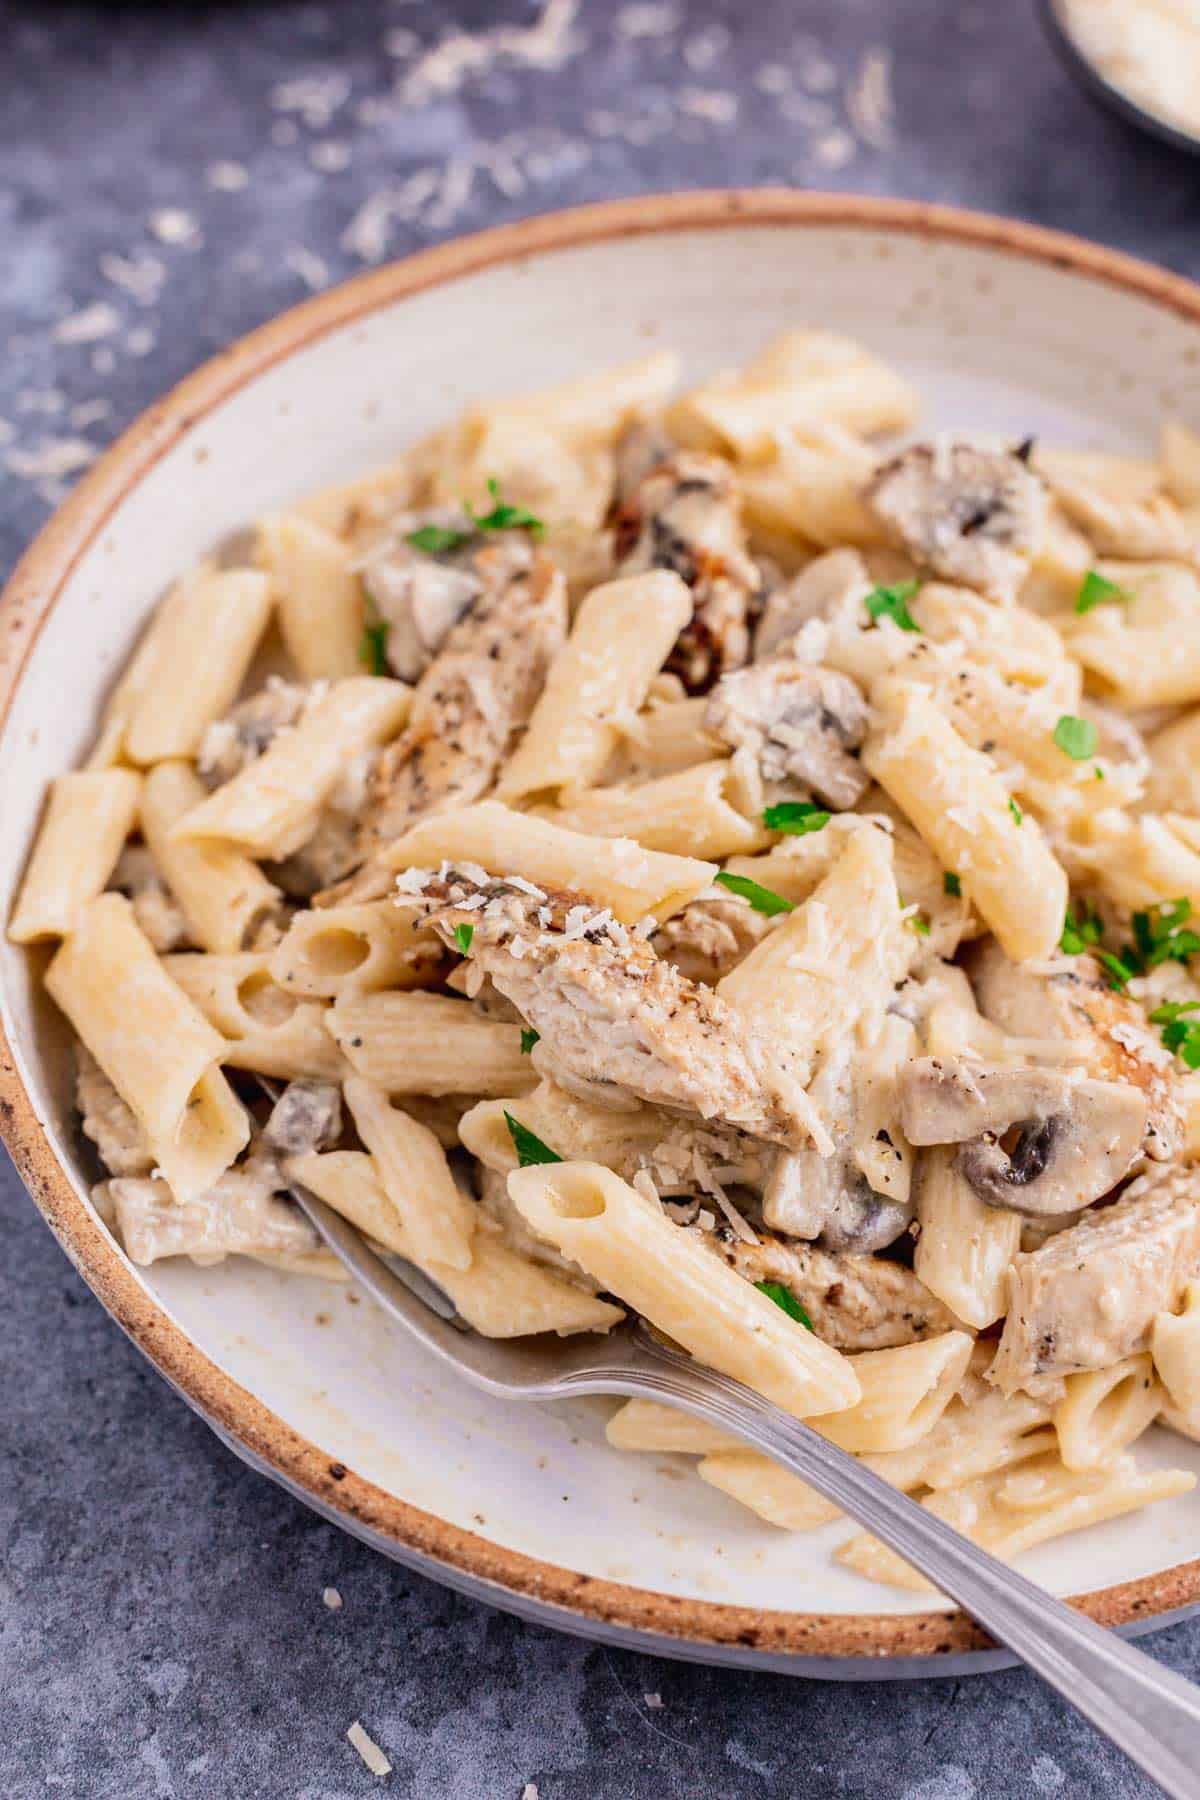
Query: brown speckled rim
[[810, 1642]]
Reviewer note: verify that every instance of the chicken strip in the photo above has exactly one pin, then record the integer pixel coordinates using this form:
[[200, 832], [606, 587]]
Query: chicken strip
[[684, 514], [420, 595], [968, 514], [107, 1121], [241, 1214], [1111, 1032], [615, 1023], [1089, 1296], [854, 1302], [468, 706], [800, 723]]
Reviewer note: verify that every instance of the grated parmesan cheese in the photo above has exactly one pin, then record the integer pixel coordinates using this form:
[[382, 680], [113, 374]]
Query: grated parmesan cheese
[[369, 1750], [332, 1598], [99, 320]]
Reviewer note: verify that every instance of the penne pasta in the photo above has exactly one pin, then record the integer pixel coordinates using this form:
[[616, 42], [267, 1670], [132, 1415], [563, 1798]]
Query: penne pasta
[[319, 599], [633, 1250], [88, 817], [153, 1043], [271, 807], [199, 648], [621, 637]]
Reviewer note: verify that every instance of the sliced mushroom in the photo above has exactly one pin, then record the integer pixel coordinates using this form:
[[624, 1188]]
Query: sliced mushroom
[[307, 1116], [828, 1200], [1070, 1140], [815, 593], [421, 597], [970, 514], [800, 723]]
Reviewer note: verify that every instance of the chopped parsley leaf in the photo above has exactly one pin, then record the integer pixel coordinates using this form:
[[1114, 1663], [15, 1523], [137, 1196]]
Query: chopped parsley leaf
[[528, 1146], [795, 817], [437, 540], [1097, 590], [952, 885], [529, 1038], [1080, 934], [372, 650], [462, 937], [1119, 973], [1159, 937], [1098, 772], [892, 603], [1076, 738], [504, 517], [1179, 1034], [1016, 812], [762, 899], [916, 923], [786, 1301]]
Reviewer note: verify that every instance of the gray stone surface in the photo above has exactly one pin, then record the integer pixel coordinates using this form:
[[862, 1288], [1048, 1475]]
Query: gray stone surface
[[161, 1626]]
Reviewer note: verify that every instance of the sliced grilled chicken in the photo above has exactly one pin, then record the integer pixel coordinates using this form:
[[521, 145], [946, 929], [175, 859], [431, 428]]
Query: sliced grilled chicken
[[1114, 1040], [1089, 1296], [854, 1302], [616, 1023], [684, 514], [107, 1121], [468, 706], [419, 595]]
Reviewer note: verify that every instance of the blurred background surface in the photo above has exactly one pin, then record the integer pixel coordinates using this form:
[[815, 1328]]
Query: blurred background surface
[[170, 176]]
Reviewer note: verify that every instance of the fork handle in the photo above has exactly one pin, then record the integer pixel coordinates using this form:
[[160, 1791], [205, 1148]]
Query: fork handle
[[1149, 1711]]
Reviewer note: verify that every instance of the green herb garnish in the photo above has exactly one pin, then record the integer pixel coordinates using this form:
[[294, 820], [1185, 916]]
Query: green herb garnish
[[1179, 1034], [1119, 973], [916, 923], [795, 817], [762, 899], [1158, 935], [1080, 934], [892, 603], [952, 885], [437, 540], [372, 650], [528, 1146], [529, 1038], [1016, 812], [786, 1301], [462, 937], [1098, 590], [504, 517], [1076, 738]]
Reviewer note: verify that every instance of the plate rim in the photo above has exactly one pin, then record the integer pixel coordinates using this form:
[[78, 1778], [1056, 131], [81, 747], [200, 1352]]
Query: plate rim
[[500, 1575]]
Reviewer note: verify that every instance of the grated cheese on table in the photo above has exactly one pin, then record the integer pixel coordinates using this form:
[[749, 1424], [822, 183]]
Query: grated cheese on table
[[369, 1750], [332, 1598]]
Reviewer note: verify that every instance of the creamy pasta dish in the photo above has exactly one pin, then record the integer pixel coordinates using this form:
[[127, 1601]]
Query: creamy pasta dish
[[722, 856]]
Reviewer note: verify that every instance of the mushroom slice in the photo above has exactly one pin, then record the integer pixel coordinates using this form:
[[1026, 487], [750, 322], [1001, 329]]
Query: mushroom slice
[[829, 1199], [970, 514], [817, 592], [1073, 1139], [800, 723]]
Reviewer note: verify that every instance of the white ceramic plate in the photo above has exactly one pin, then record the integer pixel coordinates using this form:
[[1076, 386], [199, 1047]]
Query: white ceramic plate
[[1002, 328]]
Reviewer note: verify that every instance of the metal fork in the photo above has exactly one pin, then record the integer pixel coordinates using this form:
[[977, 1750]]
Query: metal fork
[[1150, 1712]]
